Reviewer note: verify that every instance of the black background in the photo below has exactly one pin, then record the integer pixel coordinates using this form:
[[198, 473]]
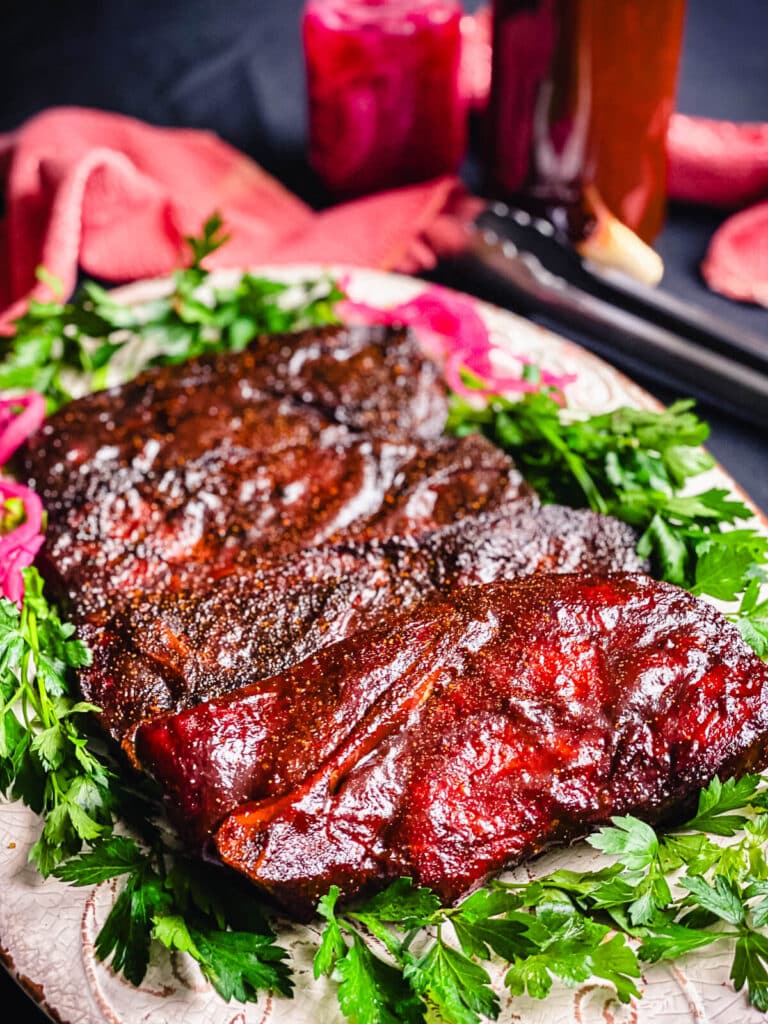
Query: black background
[[236, 68]]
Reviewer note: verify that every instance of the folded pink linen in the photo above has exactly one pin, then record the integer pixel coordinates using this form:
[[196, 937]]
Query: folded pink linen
[[115, 197]]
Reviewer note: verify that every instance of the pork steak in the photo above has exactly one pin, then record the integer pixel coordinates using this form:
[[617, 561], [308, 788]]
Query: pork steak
[[351, 648], [273, 448], [213, 523], [489, 724], [211, 757]]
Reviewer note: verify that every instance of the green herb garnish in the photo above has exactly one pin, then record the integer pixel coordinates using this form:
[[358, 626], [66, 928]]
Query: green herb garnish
[[44, 757], [400, 956], [46, 761], [66, 349], [213, 916], [567, 926], [636, 465]]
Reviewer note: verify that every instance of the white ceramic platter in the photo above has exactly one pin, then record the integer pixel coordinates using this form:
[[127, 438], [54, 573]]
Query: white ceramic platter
[[47, 929]]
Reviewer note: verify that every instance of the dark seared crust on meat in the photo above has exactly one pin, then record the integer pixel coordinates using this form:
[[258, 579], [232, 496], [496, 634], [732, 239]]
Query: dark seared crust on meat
[[518, 714], [142, 531], [291, 444], [374, 381], [305, 606], [213, 524], [265, 616], [339, 633], [529, 538]]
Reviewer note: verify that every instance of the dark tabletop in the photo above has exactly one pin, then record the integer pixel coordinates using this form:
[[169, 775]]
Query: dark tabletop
[[236, 68]]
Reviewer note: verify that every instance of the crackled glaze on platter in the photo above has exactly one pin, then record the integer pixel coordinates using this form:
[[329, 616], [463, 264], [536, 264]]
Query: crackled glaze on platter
[[48, 929]]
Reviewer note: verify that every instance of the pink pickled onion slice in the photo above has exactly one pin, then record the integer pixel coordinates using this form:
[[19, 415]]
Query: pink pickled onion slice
[[15, 427], [452, 331], [19, 546]]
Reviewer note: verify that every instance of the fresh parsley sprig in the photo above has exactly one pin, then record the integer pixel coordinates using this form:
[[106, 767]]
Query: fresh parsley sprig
[[48, 760], [715, 898], [45, 759], [447, 973], [752, 617], [568, 926], [210, 914], [634, 464], [66, 349]]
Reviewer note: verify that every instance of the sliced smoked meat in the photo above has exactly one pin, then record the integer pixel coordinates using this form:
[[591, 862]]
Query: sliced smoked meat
[[141, 531], [218, 528], [169, 651], [274, 448], [215, 755], [484, 726]]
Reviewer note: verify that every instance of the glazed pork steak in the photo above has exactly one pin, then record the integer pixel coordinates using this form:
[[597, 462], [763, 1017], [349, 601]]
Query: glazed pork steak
[[213, 523], [353, 649], [170, 650], [253, 625], [147, 531], [276, 447], [480, 728], [294, 585]]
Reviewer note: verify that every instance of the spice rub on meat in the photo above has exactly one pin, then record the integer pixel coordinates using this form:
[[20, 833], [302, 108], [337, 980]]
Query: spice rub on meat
[[273, 448], [258, 621], [351, 648], [214, 522], [478, 729]]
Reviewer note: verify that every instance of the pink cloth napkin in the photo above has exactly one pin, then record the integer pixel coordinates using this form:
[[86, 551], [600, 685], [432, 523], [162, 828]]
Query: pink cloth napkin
[[115, 197]]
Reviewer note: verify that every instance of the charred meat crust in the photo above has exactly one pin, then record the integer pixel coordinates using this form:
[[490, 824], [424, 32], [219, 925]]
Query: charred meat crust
[[170, 650], [306, 597], [275, 447], [255, 624], [511, 716]]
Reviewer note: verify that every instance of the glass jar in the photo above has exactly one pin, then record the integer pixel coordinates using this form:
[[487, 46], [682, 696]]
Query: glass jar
[[383, 83], [582, 92]]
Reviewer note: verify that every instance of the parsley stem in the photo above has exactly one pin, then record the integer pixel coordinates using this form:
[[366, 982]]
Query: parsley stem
[[13, 699], [576, 464], [57, 791], [31, 631], [408, 939], [26, 690], [44, 710]]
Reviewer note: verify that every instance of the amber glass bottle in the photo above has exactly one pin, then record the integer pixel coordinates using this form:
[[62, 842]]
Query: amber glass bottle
[[581, 97]]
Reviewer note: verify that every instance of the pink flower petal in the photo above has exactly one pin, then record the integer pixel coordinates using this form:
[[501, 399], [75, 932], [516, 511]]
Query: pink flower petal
[[19, 546]]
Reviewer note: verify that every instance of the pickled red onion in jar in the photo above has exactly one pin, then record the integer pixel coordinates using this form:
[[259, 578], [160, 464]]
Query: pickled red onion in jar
[[385, 108]]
